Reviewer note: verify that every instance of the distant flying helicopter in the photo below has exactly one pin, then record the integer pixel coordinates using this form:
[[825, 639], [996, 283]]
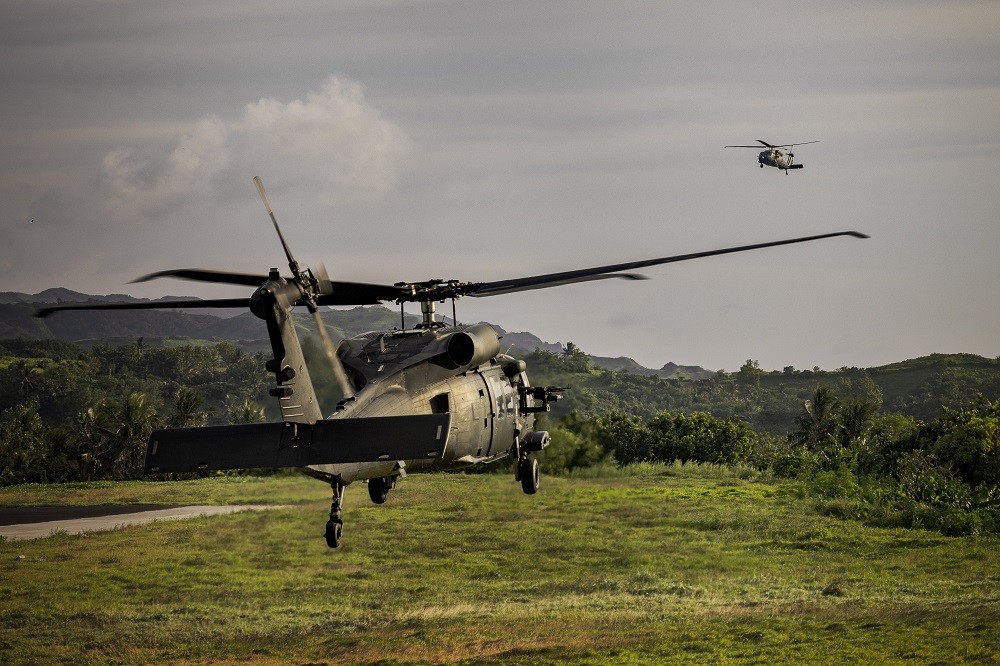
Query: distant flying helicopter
[[434, 397], [775, 157]]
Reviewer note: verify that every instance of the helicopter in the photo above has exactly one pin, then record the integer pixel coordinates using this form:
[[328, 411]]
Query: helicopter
[[775, 157], [432, 397]]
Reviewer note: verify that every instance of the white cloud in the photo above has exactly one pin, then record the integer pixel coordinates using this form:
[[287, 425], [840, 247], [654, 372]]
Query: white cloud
[[332, 142]]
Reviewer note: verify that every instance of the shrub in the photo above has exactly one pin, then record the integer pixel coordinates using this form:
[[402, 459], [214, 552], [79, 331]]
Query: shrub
[[925, 481], [567, 451]]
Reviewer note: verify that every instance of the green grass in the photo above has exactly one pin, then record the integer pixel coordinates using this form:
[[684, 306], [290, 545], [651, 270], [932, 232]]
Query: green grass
[[675, 565], [281, 489]]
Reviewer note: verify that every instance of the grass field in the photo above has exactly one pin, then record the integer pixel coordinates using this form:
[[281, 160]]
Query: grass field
[[669, 566]]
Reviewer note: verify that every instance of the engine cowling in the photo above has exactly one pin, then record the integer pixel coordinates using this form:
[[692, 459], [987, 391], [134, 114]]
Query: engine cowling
[[473, 346]]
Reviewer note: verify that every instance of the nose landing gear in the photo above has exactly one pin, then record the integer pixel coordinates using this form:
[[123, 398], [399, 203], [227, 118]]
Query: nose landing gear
[[527, 470]]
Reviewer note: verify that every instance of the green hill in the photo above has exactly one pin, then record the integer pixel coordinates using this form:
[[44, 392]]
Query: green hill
[[768, 401]]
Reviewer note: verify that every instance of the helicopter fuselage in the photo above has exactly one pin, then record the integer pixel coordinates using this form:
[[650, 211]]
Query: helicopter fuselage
[[777, 158], [456, 370]]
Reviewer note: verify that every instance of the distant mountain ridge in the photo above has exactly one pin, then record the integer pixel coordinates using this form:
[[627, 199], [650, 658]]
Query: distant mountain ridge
[[17, 320]]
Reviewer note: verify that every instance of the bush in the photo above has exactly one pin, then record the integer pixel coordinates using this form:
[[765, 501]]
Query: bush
[[695, 437], [840, 483], [699, 437], [973, 448], [567, 451], [923, 480]]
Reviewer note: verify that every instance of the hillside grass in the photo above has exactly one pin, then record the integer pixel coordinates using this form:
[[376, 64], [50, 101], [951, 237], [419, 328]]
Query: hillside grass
[[670, 565]]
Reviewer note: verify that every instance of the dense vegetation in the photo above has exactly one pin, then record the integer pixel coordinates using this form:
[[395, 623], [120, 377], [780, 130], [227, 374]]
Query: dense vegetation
[[768, 401], [855, 457], [70, 414], [909, 444]]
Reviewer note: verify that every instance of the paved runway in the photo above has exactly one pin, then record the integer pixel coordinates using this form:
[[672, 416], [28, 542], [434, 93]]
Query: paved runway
[[19, 523]]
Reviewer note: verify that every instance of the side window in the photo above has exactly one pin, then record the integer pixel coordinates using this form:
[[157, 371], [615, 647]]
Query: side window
[[508, 396]]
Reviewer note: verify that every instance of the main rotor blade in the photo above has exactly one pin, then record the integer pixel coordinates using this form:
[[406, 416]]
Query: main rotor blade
[[545, 281], [789, 145], [765, 143], [359, 293], [331, 293], [615, 270], [204, 275], [147, 305], [754, 147]]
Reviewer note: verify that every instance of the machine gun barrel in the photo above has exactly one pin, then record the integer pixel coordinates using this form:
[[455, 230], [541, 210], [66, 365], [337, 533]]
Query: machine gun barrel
[[546, 394]]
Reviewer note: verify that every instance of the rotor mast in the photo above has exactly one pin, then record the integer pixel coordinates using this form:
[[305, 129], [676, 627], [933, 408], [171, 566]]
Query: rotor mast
[[428, 310]]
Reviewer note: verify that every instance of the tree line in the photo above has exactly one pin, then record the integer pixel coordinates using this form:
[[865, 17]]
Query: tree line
[[69, 413], [846, 454], [767, 401]]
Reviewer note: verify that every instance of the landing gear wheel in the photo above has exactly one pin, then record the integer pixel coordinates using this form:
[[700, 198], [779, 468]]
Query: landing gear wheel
[[334, 530], [335, 526], [527, 470], [378, 489]]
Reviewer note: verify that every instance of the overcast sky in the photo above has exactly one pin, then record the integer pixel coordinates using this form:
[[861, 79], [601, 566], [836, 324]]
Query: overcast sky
[[486, 140]]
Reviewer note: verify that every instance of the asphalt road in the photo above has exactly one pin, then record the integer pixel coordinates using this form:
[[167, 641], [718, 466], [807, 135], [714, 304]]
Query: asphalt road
[[36, 522]]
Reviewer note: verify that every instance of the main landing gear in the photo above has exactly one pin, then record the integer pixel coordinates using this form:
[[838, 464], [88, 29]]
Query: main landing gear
[[335, 526], [378, 489]]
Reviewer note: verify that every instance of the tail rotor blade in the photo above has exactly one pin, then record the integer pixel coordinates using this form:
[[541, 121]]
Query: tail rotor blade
[[267, 204], [310, 292], [331, 355], [323, 284]]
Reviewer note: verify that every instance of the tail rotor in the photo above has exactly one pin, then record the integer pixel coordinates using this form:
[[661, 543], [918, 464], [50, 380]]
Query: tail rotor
[[312, 284]]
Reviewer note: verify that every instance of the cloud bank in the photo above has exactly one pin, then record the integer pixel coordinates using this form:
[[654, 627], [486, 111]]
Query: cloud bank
[[333, 142]]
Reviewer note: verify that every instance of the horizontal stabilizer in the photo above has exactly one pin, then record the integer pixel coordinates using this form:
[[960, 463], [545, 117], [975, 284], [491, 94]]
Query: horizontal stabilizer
[[795, 166], [330, 441]]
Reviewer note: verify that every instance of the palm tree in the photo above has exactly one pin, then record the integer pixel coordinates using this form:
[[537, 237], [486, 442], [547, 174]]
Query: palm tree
[[856, 419], [26, 372], [247, 411], [187, 409], [115, 436], [819, 421], [22, 445], [137, 419]]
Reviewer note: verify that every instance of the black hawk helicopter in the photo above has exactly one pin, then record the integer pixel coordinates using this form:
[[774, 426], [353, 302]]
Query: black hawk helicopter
[[433, 397], [775, 157]]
